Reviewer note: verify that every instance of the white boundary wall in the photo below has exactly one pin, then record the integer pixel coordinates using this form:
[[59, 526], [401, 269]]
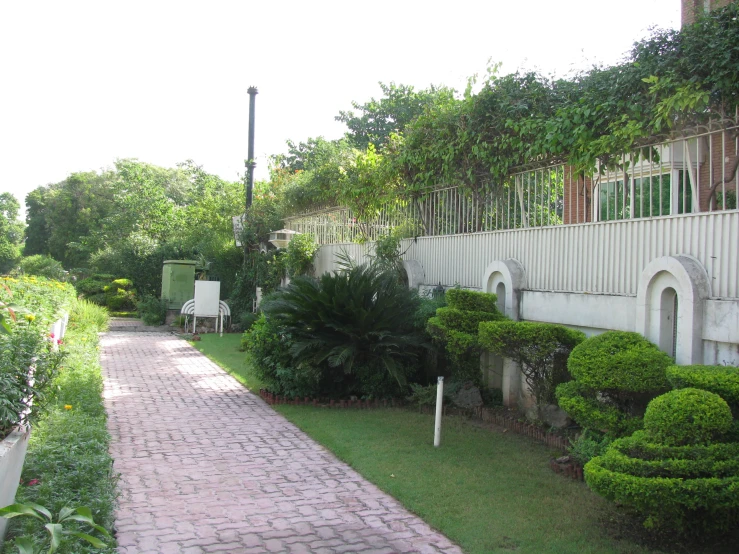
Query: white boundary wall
[[598, 276]]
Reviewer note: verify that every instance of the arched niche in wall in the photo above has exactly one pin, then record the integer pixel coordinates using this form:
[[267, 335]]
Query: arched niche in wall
[[506, 279], [669, 306], [414, 271]]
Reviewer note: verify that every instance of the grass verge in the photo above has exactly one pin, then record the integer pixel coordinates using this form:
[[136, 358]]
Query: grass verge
[[487, 491], [68, 462], [225, 352]]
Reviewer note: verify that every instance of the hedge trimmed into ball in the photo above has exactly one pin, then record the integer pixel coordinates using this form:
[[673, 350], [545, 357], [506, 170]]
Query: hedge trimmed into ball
[[616, 374], [719, 379], [620, 360], [687, 416]]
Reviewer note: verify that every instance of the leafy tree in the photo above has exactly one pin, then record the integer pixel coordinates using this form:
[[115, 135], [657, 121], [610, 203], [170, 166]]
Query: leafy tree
[[11, 232], [376, 120], [37, 232]]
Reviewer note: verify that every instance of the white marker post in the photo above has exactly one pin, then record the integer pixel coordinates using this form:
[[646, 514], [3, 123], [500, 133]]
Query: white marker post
[[439, 403]]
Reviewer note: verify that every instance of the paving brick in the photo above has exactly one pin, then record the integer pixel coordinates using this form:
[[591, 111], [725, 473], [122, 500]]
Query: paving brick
[[206, 466]]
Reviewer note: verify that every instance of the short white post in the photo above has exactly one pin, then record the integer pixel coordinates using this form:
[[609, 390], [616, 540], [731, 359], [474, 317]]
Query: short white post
[[439, 403]]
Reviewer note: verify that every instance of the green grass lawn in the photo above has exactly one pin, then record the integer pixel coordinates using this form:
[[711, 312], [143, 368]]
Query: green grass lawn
[[225, 352], [487, 490]]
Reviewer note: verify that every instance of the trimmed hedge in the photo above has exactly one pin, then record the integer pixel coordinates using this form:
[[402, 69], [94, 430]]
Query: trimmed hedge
[[620, 360], [541, 349], [465, 321], [456, 326], [721, 380], [472, 301], [616, 374], [592, 412], [687, 416], [691, 489]]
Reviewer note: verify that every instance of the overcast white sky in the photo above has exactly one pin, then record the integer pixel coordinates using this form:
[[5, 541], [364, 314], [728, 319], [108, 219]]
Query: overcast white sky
[[85, 83]]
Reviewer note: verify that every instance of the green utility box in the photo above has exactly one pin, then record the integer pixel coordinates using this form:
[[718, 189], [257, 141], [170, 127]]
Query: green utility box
[[178, 282]]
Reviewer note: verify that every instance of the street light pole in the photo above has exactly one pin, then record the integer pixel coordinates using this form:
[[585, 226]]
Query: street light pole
[[250, 163]]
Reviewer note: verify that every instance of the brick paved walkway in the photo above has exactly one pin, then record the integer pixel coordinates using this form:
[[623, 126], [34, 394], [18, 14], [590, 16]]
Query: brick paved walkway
[[206, 466]]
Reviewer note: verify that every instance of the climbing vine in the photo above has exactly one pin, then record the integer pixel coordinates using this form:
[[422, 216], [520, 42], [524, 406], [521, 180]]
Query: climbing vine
[[670, 80]]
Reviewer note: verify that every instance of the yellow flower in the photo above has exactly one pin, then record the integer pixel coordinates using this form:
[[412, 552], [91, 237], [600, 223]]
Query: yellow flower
[[67, 406], [30, 317]]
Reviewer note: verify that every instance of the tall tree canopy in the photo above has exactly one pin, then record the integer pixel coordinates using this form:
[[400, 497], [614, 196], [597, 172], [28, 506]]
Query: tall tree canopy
[[11, 232], [375, 120]]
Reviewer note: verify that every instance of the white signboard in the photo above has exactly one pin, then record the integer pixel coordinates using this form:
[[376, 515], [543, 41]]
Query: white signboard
[[238, 223], [207, 296]]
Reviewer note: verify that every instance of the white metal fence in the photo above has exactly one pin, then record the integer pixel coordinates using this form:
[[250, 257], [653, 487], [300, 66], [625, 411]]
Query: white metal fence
[[697, 173]]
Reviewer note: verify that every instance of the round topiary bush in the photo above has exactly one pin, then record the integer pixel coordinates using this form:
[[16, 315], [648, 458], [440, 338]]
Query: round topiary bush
[[673, 473], [687, 416], [616, 375], [619, 360]]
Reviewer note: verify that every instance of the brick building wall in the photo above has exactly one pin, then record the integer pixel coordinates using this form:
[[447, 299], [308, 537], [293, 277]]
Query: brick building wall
[[578, 197], [691, 8], [718, 160]]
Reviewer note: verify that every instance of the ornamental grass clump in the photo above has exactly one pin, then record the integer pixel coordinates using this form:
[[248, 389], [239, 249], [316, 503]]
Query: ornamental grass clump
[[615, 374], [679, 474]]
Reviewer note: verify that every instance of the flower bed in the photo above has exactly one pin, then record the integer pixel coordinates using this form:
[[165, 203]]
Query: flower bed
[[34, 320]]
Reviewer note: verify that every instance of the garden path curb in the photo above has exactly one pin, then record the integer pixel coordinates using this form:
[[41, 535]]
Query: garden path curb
[[207, 466]]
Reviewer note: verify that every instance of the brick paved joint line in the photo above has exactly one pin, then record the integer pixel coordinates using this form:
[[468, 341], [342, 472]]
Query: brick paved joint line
[[206, 466]]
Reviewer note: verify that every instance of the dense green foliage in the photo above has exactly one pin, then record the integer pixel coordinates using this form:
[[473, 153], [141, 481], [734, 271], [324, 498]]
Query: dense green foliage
[[406, 143], [377, 119], [687, 416], [152, 310], [117, 294], [456, 327], [11, 232], [127, 220], [29, 344], [588, 445], [68, 451], [301, 251], [268, 348], [541, 350], [615, 375], [355, 328], [675, 474], [719, 379], [42, 266]]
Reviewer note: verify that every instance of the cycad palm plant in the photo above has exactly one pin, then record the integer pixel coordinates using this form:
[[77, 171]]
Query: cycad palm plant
[[360, 317]]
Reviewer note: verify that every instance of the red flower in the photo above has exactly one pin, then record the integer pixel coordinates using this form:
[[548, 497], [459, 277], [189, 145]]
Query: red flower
[[33, 482], [51, 335]]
